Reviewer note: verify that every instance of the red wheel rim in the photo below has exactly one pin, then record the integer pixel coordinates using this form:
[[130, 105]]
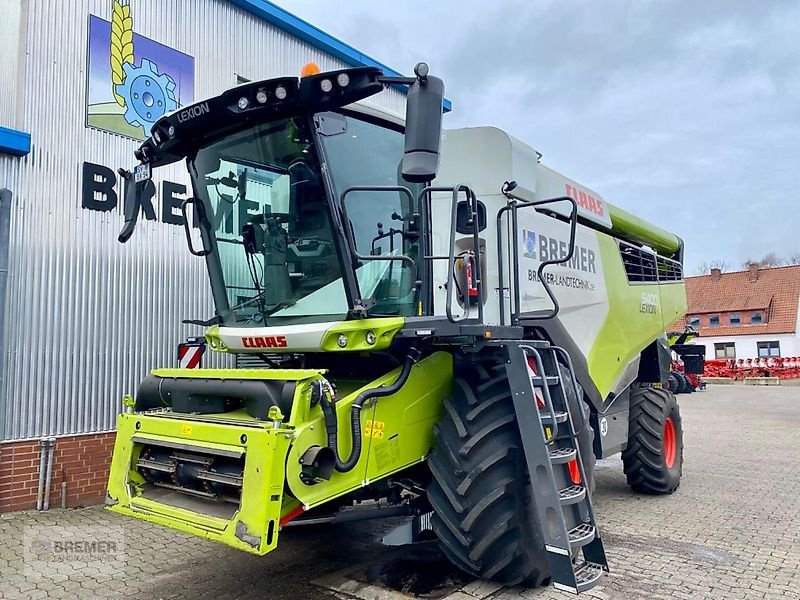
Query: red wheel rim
[[669, 442]]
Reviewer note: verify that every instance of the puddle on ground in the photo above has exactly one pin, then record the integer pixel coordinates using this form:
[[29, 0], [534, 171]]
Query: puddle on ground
[[420, 570]]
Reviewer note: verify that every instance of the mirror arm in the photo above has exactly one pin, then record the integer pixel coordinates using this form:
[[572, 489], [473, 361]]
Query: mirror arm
[[397, 80], [131, 207]]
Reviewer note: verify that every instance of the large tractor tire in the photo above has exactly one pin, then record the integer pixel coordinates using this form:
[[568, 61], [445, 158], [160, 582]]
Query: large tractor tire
[[685, 384], [653, 460], [480, 492], [673, 384]]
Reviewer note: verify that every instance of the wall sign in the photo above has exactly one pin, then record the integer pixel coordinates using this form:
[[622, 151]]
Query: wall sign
[[132, 81]]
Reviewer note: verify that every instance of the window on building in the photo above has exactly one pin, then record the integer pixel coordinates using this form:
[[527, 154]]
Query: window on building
[[734, 319], [767, 349], [725, 350], [756, 318], [694, 321], [713, 321]]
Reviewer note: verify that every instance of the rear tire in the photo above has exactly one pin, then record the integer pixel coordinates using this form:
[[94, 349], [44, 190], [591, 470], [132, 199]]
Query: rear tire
[[653, 460], [673, 384], [480, 492], [685, 384]]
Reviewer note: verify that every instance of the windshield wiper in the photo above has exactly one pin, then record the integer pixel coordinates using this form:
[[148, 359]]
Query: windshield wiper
[[266, 312]]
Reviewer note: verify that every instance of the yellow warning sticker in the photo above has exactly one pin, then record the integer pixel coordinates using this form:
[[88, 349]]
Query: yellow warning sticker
[[186, 429], [374, 429]]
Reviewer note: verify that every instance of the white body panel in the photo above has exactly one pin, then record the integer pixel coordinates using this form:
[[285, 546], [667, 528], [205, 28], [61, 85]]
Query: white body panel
[[300, 338], [483, 158]]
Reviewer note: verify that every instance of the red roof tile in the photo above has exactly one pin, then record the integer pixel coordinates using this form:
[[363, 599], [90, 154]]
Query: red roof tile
[[776, 292]]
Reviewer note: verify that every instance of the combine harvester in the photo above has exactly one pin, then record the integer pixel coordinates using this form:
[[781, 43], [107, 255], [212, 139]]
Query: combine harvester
[[461, 332]]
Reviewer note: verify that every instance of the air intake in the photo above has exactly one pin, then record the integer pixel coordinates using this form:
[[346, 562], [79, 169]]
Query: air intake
[[644, 266], [640, 265]]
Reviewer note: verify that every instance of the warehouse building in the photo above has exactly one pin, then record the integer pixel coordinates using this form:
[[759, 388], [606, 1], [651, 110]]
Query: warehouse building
[[84, 318]]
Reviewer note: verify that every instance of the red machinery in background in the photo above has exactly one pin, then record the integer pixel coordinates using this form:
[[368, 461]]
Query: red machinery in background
[[688, 362], [780, 367]]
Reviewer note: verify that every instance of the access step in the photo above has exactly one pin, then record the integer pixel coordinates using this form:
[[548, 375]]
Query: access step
[[580, 535], [561, 417], [587, 575], [561, 456], [550, 380], [572, 495]]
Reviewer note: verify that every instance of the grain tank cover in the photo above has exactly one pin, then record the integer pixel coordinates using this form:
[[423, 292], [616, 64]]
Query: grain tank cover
[[485, 157]]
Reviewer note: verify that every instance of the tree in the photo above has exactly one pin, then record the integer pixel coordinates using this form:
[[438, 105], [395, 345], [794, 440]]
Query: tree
[[768, 260], [705, 267], [794, 259]]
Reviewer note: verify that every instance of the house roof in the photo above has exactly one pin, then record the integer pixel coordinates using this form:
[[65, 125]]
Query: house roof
[[776, 291]]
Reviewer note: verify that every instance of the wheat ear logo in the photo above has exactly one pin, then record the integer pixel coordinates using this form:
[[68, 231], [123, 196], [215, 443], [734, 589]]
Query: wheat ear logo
[[133, 80]]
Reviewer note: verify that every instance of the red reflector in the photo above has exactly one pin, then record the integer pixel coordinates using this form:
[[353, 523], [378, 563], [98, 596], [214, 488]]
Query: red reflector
[[574, 471]]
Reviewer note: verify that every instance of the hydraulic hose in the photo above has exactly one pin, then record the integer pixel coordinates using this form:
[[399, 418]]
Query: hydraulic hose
[[329, 411]]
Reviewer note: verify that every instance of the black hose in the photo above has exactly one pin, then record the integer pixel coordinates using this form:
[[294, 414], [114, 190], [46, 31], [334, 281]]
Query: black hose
[[329, 411]]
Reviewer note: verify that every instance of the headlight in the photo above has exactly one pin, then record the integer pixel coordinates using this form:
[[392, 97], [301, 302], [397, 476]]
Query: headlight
[[261, 96], [343, 79], [243, 103], [280, 92], [326, 85], [157, 136]]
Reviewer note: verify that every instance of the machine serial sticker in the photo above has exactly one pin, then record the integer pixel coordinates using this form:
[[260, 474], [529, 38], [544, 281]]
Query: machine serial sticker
[[186, 430], [374, 429]]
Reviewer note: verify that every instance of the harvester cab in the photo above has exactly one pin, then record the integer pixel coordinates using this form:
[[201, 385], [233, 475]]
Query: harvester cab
[[458, 332]]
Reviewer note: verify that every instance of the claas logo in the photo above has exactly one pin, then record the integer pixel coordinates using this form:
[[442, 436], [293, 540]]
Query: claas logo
[[267, 341]]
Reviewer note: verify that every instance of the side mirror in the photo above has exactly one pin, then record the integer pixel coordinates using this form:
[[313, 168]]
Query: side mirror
[[133, 203], [423, 127]]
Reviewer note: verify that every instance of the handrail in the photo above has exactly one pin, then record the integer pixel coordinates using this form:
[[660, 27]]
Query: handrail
[[472, 201], [514, 205], [548, 400], [348, 232]]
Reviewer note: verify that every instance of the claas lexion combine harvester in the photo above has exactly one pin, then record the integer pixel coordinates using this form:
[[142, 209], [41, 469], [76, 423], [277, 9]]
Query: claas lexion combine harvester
[[443, 325]]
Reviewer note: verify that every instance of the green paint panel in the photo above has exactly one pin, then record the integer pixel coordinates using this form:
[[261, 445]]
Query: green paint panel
[[402, 431], [630, 227], [356, 332], [633, 322], [407, 419], [264, 450]]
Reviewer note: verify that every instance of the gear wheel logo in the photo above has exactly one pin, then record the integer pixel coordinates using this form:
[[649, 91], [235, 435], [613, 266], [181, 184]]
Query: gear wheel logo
[[148, 95]]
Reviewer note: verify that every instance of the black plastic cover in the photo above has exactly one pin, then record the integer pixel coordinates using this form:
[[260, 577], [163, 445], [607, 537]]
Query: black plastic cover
[[213, 396]]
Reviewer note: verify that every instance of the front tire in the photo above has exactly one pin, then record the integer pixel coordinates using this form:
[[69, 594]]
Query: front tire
[[653, 459], [480, 492]]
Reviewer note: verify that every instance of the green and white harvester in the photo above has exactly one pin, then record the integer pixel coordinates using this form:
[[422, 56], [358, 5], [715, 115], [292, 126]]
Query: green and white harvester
[[433, 322]]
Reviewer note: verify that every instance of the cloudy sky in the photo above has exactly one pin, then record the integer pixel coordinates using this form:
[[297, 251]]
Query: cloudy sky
[[686, 113]]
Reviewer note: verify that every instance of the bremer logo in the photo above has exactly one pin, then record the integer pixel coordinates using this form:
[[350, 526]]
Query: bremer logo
[[192, 112], [586, 201], [267, 341]]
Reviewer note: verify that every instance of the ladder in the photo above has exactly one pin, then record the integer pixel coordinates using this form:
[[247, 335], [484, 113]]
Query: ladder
[[549, 440]]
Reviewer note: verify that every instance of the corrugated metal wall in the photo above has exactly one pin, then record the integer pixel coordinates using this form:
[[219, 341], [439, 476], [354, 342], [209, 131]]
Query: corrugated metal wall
[[86, 317], [10, 13]]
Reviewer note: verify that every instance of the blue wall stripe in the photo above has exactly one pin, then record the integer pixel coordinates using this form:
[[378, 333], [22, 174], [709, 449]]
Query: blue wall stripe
[[316, 37], [14, 142]]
